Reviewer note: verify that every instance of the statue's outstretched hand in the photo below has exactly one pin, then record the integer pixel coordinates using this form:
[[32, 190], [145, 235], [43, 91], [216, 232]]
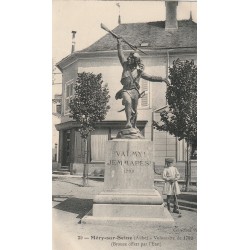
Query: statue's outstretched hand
[[165, 80]]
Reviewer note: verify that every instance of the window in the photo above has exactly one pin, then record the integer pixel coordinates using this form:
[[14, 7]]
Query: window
[[58, 108], [194, 151], [67, 148], [69, 88], [181, 150], [144, 101], [98, 142]]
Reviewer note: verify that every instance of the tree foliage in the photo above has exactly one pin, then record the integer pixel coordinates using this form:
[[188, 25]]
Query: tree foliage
[[180, 117], [90, 102]]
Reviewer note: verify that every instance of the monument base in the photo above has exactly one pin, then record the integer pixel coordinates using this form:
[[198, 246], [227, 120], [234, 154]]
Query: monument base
[[129, 195], [166, 220], [132, 196], [125, 210]]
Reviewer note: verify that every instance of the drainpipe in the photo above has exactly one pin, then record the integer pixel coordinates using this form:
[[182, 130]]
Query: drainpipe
[[152, 128]]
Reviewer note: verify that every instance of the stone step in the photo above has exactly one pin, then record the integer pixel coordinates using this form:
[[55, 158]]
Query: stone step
[[187, 204], [188, 196], [187, 208], [184, 207], [186, 201], [61, 172], [64, 168]]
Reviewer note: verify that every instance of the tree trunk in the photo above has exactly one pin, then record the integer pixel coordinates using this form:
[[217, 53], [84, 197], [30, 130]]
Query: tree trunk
[[85, 170], [188, 167]]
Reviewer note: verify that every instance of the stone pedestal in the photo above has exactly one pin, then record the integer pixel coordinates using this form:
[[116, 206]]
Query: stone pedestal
[[129, 192]]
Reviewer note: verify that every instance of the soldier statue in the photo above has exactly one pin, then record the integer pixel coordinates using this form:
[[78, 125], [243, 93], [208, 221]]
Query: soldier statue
[[133, 71]]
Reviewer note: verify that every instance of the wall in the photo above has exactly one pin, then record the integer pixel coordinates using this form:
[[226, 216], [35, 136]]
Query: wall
[[164, 144], [68, 73]]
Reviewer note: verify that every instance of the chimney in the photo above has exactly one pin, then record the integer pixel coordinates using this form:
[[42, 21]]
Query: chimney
[[119, 17], [191, 17], [171, 15], [73, 41]]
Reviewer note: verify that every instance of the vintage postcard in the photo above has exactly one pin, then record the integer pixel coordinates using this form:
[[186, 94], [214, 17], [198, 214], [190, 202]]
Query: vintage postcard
[[124, 153]]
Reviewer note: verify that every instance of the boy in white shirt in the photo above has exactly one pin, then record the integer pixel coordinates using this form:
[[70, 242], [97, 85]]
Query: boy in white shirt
[[171, 188]]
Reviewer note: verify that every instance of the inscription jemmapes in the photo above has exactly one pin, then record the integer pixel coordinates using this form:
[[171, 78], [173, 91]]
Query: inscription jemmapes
[[126, 155], [128, 163]]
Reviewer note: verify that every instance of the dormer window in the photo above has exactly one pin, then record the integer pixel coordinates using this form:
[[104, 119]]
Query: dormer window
[[144, 44]]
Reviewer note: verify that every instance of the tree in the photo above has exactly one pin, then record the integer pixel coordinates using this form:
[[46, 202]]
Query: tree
[[180, 117], [89, 105]]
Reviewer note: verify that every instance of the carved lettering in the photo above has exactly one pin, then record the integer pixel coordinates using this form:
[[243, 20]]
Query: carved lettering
[[128, 159], [138, 154], [128, 171], [127, 163]]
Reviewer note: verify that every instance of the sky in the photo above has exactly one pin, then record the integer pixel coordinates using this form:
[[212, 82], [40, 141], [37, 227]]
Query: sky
[[85, 17]]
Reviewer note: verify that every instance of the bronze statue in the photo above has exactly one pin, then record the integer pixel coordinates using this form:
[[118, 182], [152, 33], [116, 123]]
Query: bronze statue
[[133, 71]]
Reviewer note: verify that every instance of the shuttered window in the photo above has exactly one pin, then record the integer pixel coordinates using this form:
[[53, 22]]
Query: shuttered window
[[98, 141], [69, 88], [144, 101], [181, 150]]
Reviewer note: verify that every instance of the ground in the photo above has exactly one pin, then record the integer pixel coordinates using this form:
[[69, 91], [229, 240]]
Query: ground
[[71, 201]]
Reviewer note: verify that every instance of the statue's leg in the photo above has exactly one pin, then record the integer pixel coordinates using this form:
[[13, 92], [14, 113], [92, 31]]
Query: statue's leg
[[128, 108], [134, 107]]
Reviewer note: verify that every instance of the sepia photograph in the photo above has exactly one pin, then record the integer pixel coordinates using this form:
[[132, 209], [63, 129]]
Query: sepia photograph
[[108, 91], [124, 125]]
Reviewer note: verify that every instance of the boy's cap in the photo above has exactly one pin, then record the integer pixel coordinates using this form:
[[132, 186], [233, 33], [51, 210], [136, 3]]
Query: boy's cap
[[169, 160]]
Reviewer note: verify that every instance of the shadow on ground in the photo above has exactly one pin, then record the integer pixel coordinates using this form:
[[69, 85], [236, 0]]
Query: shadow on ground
[[73, 205], [76, 184]]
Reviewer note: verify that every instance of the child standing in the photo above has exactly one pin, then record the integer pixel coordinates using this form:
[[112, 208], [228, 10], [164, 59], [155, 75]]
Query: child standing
[[171, 188]]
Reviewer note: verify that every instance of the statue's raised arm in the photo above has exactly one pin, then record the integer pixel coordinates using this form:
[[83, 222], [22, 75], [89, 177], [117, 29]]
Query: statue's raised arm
[[120, 52], [133, 71]]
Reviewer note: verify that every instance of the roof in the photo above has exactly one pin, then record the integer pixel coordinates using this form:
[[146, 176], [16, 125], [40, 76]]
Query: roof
[[153, 33]]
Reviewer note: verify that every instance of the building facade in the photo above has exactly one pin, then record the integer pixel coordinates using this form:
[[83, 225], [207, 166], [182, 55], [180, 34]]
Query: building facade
[[163, 42]]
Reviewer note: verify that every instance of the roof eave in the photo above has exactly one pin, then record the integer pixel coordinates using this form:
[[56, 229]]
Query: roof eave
[[113, 53]]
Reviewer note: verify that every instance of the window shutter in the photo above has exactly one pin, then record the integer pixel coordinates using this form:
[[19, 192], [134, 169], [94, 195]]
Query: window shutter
[[145, 98], [66, 108], [181, 150], [98, 141], [69, 89]]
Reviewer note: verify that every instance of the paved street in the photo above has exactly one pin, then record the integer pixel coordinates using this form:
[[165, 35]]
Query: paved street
[[71, 201]]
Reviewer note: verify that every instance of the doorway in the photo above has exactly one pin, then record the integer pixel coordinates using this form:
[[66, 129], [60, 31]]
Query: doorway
[[66, 154]]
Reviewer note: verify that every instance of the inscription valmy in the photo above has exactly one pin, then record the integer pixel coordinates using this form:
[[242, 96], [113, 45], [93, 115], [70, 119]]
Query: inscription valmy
[[139, 154], [128, 158]]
